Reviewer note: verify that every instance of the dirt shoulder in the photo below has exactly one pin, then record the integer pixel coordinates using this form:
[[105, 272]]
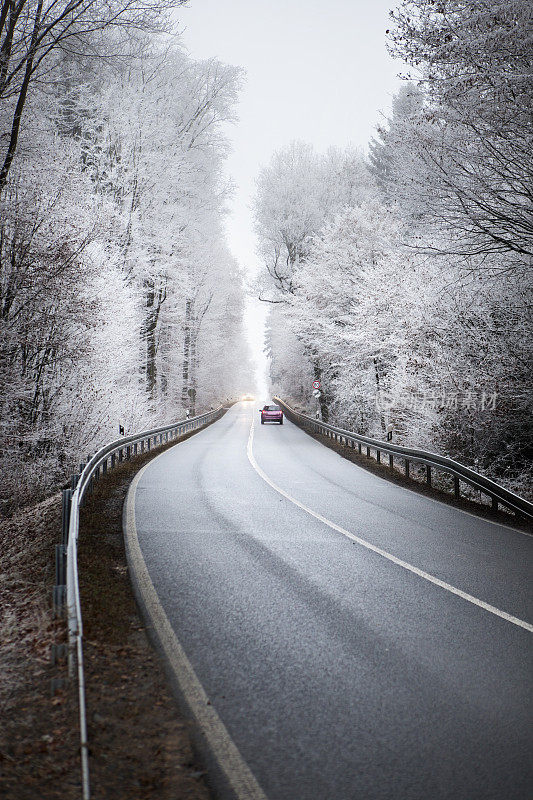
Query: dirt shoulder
[[140, 744], [39, 739]]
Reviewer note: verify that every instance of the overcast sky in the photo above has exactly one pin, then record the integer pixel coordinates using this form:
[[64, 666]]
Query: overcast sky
[[316, 70]]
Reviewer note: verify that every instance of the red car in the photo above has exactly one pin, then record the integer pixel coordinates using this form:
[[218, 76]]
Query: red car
[[271, 414]]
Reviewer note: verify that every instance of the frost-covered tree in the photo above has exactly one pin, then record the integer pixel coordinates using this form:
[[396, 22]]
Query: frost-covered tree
[[474, 63], [399, 334], [296, 193], [119, 302], [392, 158], [161, 154], [35, 35], [349, 310]]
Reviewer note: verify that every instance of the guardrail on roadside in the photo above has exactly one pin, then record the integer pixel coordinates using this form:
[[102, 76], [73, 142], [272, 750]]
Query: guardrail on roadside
[[498, 495], [67, 587]]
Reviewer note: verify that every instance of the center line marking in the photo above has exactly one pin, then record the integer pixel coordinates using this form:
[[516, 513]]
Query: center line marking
[[421, 574]]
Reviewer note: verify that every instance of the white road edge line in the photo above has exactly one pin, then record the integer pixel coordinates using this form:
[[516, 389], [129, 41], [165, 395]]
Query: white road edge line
[[224, 750], [421, 574]]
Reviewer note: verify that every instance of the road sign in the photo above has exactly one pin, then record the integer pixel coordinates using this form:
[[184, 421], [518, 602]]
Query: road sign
[[317, 393], [316, 384]]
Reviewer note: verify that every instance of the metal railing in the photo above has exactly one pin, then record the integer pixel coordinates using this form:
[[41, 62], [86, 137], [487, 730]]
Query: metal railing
[[67, 585], [498, 495]]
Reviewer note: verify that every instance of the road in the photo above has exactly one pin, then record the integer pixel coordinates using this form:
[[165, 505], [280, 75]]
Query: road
[[353, 639]]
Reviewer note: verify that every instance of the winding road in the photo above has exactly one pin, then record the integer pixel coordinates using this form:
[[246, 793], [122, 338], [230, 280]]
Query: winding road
[[336, 636]]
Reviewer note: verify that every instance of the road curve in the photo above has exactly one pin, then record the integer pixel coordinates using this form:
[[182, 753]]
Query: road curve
[[294, 589]]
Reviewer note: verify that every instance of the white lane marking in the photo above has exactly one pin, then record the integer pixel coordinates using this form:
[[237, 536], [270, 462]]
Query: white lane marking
[[421, 574], [237, 772]]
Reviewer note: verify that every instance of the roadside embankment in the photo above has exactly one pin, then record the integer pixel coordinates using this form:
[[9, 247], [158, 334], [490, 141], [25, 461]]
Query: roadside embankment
[[140, 744]]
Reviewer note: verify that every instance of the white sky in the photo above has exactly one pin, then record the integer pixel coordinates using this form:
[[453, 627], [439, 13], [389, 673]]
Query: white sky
[[316, 70]]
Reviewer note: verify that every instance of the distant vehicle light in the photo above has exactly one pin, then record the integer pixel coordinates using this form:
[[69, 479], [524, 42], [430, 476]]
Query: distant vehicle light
[[248, 397]]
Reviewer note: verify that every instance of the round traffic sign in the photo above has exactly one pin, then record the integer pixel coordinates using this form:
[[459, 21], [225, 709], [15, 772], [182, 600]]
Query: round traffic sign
[[316, 384]]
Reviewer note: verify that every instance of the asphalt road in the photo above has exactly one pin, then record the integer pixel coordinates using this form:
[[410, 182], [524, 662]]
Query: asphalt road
[[339, 673]]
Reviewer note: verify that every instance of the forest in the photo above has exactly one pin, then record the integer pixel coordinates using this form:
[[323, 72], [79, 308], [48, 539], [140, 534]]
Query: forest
[[120, 302], [400, 279]]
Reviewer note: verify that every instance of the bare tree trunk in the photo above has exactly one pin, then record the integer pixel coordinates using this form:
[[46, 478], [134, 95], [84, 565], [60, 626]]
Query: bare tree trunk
[[155, 297], [186, 355], [193, 370], [15, 127], [378, 387]]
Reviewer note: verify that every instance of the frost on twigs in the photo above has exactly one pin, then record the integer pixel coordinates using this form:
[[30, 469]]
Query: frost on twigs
[[408, 275], [120, 304]]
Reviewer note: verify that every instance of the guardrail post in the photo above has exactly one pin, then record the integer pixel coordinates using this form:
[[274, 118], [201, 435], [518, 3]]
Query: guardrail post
[[368, 452], [59, 597], [359, 447], [428, 474], [73, 481], [113, 460], [57, 652], [406, 467], [65, 514], [391, 461], [61, 564], [104, 466], [494, 503], [456, 486], [378, 456]]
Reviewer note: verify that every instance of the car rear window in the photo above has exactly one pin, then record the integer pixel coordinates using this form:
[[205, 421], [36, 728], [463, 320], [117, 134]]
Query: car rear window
[[272, 408]]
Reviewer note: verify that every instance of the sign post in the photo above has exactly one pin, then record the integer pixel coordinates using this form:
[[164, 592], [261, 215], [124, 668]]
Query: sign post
[[318, 394]]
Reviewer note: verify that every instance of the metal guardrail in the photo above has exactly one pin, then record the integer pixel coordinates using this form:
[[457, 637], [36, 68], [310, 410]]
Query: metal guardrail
[[498, 494], [67, 586]]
